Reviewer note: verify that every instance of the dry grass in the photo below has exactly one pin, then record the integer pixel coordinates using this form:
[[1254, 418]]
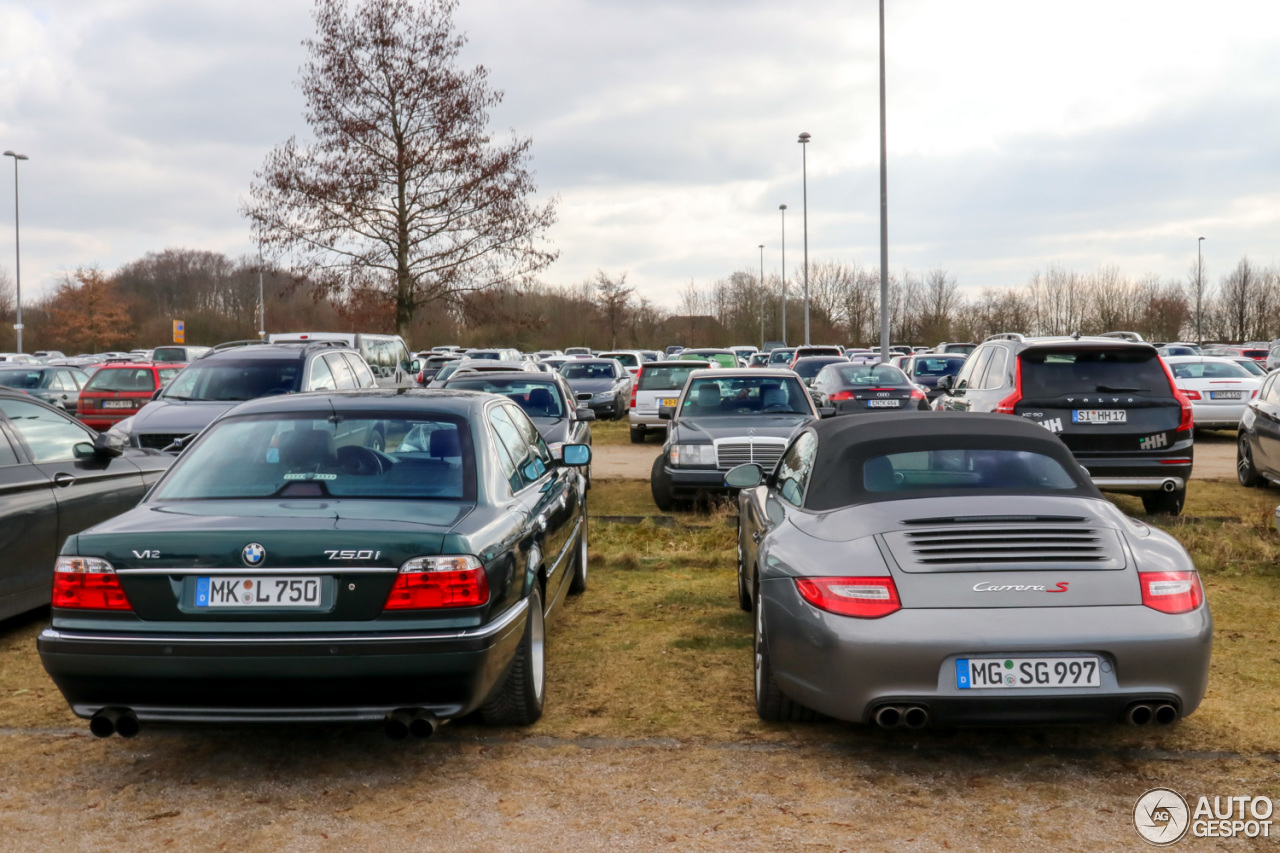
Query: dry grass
[[606, 433]]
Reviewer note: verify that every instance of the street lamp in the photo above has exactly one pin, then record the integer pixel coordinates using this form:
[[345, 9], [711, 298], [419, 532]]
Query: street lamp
[[763, 301], [783, 208], [884, 212], [17, 250], [804, 165], [1199, 290]]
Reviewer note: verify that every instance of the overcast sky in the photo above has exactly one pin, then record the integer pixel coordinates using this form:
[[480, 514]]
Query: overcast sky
[[1020, 133]]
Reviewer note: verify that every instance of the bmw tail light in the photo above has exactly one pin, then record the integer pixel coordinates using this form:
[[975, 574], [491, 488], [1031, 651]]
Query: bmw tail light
[[1006, 406], [87, 583], [865, 598], [1171, 592], [426, 583]]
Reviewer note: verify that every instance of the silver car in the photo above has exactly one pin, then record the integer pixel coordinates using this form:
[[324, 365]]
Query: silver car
[[959, 568]]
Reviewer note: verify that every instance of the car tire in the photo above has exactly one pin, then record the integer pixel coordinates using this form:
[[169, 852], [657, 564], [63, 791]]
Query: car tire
[[1246, 472], [660, 485], [744, 594], [520, 700], [771, 704], [578, 584], [637, 435], [1164, 503]]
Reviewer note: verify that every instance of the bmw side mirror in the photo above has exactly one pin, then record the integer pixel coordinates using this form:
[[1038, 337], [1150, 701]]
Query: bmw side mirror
[[745, 476], [667, 413], [826, 411], [83, 450], [585, 414], [576, 454]]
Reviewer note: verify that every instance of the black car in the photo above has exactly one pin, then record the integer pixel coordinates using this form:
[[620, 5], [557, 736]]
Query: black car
[[1113, 402], [57, 477], [927, 369], [807, 367], [854, 388], [287, 569], [601, 384], [545, 397], [1258, 438], [57, 385], [227, 376], [724, 418]]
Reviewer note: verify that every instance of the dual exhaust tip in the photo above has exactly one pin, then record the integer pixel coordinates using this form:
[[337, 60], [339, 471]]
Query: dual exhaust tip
[[114, 721], [411, 721], [909, 716], [1143, 713]]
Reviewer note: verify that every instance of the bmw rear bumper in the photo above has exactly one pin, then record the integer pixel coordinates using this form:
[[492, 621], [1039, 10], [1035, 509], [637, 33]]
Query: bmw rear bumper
[[847, 668], [278, 678]]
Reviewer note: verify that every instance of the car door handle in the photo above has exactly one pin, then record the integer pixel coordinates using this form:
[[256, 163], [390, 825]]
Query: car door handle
[[63, 480]]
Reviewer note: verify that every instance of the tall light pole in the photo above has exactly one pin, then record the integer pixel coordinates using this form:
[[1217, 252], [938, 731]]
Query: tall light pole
[[17, 251], [884, 212], [804, 166], [1199, 290], [783, 208], [763, 301], [262, 305]]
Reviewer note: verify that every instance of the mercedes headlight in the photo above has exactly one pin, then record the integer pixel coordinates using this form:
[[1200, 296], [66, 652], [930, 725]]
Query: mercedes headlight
[[693, 455]]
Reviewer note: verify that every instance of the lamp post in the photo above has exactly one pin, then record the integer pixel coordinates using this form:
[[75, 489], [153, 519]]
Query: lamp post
[[804, 166], [783, 208], [763, 301], [262, 305], [884, 212], [1199, 290], [17, 250]]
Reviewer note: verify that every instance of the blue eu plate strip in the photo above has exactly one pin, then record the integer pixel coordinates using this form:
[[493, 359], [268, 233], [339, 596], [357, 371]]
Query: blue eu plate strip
[[962, 674], [202, 592]]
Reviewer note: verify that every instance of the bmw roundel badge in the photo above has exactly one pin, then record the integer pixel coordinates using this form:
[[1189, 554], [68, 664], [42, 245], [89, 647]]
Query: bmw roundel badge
[[253, 554]]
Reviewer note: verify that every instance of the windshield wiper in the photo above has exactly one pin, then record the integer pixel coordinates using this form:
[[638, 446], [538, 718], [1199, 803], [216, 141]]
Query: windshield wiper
[[176, 397], [1119, 388]]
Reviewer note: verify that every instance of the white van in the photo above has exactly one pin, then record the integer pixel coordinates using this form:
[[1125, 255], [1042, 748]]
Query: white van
[[387, 355]]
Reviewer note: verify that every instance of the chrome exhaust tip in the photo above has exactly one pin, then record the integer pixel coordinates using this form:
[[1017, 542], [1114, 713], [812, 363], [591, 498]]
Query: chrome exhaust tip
[[1169, 486], [398, 723], [103, 723], [888, 717], [1139, 714], [1166, 714], [424, 724], [915, 717]]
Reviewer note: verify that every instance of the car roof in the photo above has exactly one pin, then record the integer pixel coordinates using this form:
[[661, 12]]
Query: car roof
[[490, 375], [448, 401], [133, 365], [280, 351], [675, 362], [744, 373]]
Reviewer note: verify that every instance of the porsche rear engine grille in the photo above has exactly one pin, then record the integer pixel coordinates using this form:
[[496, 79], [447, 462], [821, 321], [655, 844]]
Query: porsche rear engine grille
[[1028, 547], [764, 453]]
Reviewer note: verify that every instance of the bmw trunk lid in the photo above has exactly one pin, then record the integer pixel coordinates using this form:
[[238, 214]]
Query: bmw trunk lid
[[319, 561]]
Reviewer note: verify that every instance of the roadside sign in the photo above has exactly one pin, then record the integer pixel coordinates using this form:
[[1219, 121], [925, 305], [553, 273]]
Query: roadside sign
[[179, 332]]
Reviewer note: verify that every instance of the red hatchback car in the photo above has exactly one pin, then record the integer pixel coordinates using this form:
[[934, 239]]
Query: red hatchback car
[[119, 389]]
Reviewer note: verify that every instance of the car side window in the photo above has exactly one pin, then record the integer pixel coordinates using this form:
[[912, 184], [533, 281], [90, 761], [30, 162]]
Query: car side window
[[363, 375], [795, 468], [321, 377], [342, 377], [973, 369], [62, 381], [541, 453], [402, 354], [1273, 394], [513, 443], [49, 434], [993, 375]]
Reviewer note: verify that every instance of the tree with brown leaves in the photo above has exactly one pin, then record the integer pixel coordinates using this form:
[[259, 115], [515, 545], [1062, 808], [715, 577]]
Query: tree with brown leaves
[[402, 192], [87, 314]]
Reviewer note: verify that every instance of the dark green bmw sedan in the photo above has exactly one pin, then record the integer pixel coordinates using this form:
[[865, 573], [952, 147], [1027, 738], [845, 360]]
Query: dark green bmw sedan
[[382, 555]]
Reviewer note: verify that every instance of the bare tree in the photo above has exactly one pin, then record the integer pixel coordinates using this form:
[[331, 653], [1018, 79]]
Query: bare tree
[[615, 299], [1235, 297], [402, 193]]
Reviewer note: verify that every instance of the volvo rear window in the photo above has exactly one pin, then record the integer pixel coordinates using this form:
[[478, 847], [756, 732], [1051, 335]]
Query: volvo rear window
[[976, 470], [422, 457], [666, 378], [1055, 373]]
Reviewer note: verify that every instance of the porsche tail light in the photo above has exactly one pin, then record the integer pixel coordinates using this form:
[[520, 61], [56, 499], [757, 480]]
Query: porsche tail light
[[426, 583], [635, 386], [864, 598], [1171, 592], [87, 583], [1005, 406]]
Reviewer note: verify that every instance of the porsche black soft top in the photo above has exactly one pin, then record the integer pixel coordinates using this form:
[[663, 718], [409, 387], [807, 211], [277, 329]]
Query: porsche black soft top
[[846, 443]]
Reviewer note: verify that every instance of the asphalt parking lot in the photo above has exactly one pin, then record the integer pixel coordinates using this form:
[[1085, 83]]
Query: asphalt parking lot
[[650, 742]]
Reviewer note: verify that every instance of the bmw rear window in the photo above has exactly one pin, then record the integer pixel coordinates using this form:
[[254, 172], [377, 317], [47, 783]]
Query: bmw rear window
[[1055, 373]]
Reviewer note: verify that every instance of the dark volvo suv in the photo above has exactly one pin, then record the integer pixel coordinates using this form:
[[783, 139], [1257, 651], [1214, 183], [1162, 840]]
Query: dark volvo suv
[[1112, 402]]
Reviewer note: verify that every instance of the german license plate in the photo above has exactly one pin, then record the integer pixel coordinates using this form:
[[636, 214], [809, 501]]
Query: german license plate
[[117, 404], [1099, 416], [257, 591], [1225, 395], [668, 402], [1028, 673], [884, 404]]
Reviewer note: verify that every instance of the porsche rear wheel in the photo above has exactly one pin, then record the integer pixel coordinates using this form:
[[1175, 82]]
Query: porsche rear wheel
[[771, 704]]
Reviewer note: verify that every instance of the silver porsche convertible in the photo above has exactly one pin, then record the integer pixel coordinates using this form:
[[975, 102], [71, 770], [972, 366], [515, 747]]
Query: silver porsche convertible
[[959, 569]]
